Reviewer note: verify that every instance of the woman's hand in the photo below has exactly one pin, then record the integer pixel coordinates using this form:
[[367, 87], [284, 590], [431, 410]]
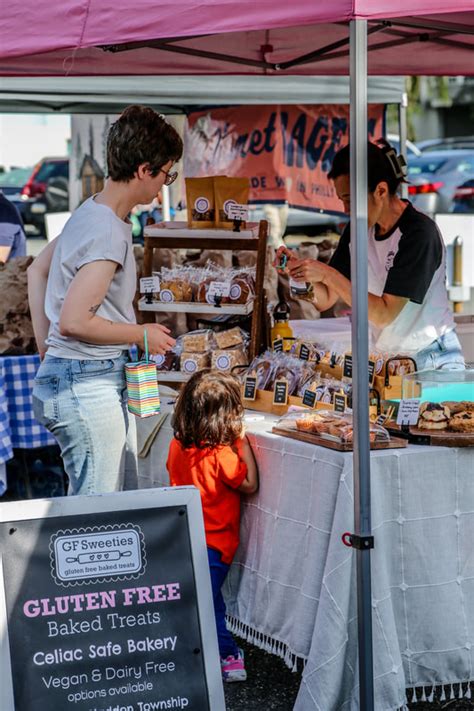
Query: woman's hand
[[310, 270], [159, 340], [290, 257]]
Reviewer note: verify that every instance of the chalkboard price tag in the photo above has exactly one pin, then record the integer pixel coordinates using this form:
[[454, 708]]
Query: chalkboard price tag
[[309, 398], [304, 352], [347, 368], [278, 345], [250, 387], [381, 419], [340, 402], [280, 392], [371, 372]]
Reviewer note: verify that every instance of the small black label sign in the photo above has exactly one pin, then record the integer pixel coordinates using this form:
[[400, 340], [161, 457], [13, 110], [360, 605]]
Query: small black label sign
[[371, 372], [309, 398], [340, 402], [278, 345], [280, 392], [381, 419], [250, 387], [304, 352], [347, 369]]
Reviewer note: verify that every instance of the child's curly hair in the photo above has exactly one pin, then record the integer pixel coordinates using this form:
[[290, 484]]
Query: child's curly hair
[[209, 411]]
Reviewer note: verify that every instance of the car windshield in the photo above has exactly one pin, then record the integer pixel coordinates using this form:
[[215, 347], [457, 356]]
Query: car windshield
[[15, 178], [417, 167], [52, 169]]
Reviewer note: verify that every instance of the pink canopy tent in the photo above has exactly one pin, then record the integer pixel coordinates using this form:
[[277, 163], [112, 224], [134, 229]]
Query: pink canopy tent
[[78, 37], [310, 37]]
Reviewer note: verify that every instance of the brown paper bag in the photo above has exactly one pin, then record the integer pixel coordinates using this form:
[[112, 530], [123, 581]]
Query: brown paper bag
[[226, 192], [200, 202]]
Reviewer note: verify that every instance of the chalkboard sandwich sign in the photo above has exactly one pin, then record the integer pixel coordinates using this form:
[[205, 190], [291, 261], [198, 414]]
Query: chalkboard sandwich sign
[[106, 603]]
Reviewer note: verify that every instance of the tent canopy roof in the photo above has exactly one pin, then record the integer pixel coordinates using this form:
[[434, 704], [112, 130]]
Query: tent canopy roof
[[185, 37]]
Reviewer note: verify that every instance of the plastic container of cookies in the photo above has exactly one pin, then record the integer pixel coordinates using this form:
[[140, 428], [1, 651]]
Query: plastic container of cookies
[[329, 425]]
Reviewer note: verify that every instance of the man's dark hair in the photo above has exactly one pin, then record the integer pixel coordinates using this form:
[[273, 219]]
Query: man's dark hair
[[140, 135], [380, 166], [209, 410]]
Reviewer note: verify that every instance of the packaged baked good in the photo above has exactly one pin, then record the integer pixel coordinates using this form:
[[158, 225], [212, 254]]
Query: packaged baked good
[[227, 192], [400, 365], [232, 338], [200, 202], [242, 286], [166, 362], [225, 360], [262, 368], [192, 362], [199, 341]]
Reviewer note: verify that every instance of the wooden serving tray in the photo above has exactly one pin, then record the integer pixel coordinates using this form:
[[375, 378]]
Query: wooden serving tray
[[434, 438], [393, 443]]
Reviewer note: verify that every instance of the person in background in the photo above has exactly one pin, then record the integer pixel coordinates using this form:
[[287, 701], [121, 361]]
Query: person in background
[[211, 452], [409, 310], [12, 235], [81, 289]]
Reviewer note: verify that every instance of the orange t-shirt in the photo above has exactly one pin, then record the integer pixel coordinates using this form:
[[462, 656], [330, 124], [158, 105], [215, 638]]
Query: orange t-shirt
[[217, 473]]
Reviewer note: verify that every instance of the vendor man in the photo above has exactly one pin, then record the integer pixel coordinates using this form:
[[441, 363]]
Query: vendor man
[[409, 311]]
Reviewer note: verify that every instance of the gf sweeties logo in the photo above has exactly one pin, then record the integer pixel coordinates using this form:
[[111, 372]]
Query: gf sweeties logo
[[97, 554]]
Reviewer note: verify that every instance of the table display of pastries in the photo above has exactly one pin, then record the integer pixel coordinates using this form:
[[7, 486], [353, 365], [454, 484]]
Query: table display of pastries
[[329, 425]]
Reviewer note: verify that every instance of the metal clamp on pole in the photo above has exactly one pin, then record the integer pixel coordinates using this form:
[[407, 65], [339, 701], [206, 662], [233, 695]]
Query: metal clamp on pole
[[361, 543]]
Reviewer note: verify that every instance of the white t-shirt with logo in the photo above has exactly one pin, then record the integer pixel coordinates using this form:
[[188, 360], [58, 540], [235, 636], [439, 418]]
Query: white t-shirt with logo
[[408, 261], [93, 233]]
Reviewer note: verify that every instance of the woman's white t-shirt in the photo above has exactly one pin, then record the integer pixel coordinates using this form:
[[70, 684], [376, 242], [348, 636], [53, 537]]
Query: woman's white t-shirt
[[408, 261]]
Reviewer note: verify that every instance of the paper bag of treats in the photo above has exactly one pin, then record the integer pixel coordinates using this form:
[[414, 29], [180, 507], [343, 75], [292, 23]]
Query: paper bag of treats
[[200, 202], [227, 192]]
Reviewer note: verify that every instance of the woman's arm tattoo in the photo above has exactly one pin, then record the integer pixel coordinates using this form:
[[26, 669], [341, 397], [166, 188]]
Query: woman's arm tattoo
[[94, 309]]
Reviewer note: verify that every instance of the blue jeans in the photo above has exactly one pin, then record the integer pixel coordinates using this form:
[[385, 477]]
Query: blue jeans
[[219, 571], [444, 353], [83, 403]]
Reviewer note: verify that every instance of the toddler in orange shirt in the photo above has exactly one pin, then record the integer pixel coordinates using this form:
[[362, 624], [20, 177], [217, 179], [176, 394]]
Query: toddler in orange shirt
[[211, 452]]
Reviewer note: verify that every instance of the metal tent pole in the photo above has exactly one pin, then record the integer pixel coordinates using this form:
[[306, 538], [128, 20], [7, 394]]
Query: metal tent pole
[[402, 124], [360, 353]]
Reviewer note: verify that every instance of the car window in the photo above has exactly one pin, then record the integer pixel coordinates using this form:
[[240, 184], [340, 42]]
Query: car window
[[52, 169], [466, 166], [15, 178], [425, 166]]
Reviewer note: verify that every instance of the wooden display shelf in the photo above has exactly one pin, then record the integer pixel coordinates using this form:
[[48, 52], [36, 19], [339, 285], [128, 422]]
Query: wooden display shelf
[[252, 239], [264, 403], [194, 307], [172, 376], [392, 443]]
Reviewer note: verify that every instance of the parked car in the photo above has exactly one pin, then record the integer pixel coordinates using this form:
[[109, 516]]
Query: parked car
[[412, 149], [46, 190], [435, 176], [11, 185], [464, 197], [445, 144]]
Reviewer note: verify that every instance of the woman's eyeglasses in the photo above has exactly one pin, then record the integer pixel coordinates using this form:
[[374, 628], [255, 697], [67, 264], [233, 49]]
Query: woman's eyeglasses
[[170, 177]]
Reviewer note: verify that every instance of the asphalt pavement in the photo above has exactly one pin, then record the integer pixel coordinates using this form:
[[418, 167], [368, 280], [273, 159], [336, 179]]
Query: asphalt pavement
[[271, 686]]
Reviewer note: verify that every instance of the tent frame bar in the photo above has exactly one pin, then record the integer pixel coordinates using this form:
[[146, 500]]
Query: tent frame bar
[[436, 32]]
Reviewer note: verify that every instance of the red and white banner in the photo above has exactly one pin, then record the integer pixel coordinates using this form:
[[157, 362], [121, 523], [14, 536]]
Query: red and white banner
[[285, 151]]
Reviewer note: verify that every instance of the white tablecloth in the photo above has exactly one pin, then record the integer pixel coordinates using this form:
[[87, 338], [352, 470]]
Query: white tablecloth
[[291, 588]]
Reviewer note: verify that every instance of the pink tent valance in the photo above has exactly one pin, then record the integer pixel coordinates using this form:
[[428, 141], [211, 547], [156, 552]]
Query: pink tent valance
[[217, 37]]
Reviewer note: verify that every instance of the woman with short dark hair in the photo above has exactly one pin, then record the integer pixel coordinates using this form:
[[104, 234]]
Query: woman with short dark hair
[[81, 290], [409, 310]]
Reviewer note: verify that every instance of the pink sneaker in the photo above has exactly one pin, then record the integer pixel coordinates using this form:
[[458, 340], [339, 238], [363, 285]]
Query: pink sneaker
[[233, 667]]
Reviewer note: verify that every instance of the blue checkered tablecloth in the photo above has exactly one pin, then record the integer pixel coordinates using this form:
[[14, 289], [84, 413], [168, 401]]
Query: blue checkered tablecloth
[[18, 427]]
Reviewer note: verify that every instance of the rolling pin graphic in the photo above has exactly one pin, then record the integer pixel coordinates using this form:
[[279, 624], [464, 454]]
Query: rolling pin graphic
[[97, 557]]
